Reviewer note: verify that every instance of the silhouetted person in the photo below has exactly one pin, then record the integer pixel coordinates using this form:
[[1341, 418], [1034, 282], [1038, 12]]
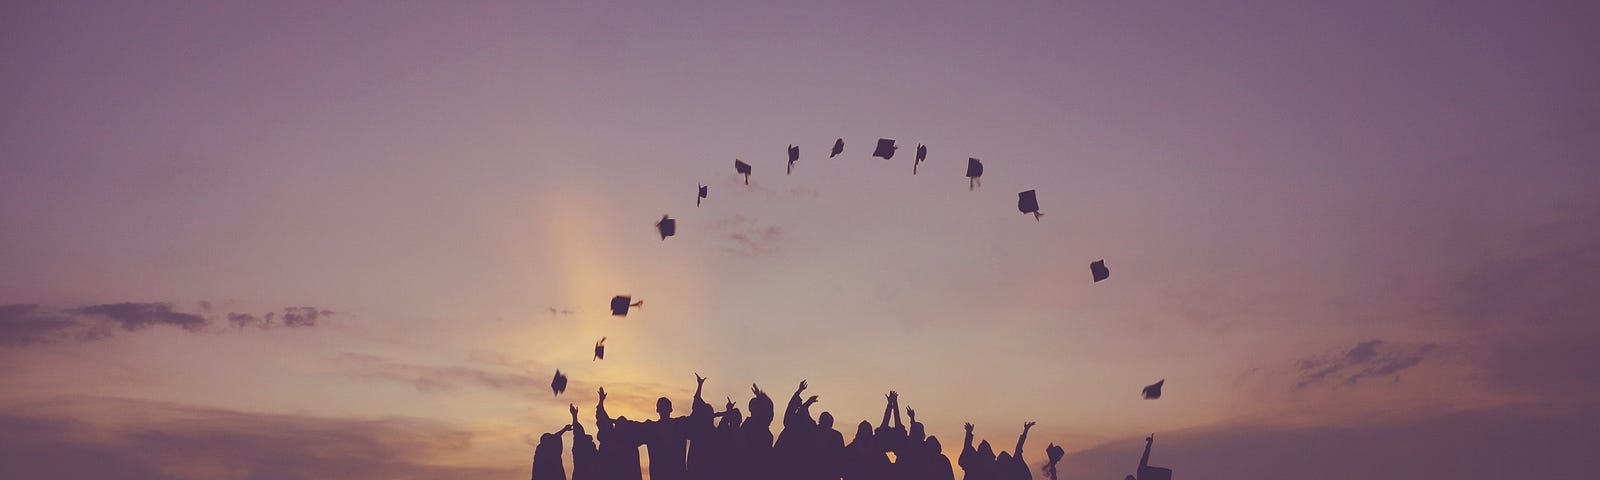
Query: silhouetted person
[[793, 448], [754, 453], [1054, 453], [547, 457], [619, 444], [698, 429], [1013, 467], [713, 455], [939, 465], [828, 449], [585, 455], [863, 459], [978, 464], [666, 441], [1147, 472]]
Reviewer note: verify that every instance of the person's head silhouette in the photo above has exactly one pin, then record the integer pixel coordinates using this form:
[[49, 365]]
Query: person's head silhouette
[[863, 430], [825, 420], [933, 445], [985, 450], [664, 407]]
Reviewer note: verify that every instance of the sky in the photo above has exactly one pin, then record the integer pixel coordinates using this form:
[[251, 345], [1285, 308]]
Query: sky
[[356, 239]]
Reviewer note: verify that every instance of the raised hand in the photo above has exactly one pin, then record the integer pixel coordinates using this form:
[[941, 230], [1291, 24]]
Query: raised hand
[[602, 394], [699, 380], [729, 406], [1027, 426], [969, 427], [756, 390], [911, 412], [802, 387], [811, 400], [572, 408]]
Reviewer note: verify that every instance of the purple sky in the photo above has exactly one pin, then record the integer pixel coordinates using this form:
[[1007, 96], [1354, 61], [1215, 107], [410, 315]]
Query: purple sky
[[1358, 239]]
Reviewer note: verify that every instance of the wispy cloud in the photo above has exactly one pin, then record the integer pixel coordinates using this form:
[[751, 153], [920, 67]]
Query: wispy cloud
[[1371, 358], [747, 236], [24, 325], [134, 439]]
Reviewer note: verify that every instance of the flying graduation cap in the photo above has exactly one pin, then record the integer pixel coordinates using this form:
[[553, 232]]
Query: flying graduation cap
[[1153, 392], [922, 154], [600, 349], [702, 195], [1027, 202], [620, 304], [667, 227], [885, 149], [1099, 270], [974, 170], [794, 156], [743, 169], [838, 148], [559, 384]]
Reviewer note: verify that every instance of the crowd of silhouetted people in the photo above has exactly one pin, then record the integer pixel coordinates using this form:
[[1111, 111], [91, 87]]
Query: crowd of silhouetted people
[[707, 444]]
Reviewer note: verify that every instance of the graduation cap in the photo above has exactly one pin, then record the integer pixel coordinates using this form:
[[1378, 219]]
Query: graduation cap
[[600, 349], [1154, 391], [743, 169], [702, 195], [667, 227], [974, 170], [559, 384], [922, 154], [1027, 202], [885, 149], [1099, 270], [838, 148], [794, 156], [619, 305]]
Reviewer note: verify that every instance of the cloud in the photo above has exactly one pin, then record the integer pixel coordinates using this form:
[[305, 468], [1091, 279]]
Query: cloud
[[136, 316], [1505, 442], [428, 378], [94, 437], [496, 372], [746, 236], [1371, 358], [23, 325]]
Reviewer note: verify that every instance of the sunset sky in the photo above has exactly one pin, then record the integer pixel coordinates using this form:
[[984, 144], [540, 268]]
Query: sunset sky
[[1357, 239]]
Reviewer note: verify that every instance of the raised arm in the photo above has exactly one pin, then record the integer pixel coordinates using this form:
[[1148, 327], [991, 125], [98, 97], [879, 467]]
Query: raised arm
[[968, 444], [894, 398], [887, 406], [699, 385], [577, 428], [1144, 460], [1018, 452], [792, 413], [600, 408]]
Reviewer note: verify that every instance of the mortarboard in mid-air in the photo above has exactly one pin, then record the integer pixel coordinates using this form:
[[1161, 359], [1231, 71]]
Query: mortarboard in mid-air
[[974, 170], [600, 349], [885, 149], [620, 304], [667, 227], [922, 154], [702, 195], [1099, 270], [1153, 392], [559, 384], [838, 148], [1028, 202], [794, 156], [743, 169]]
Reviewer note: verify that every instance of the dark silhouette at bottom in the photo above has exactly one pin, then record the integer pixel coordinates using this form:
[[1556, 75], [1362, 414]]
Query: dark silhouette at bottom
[[707, 444]]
